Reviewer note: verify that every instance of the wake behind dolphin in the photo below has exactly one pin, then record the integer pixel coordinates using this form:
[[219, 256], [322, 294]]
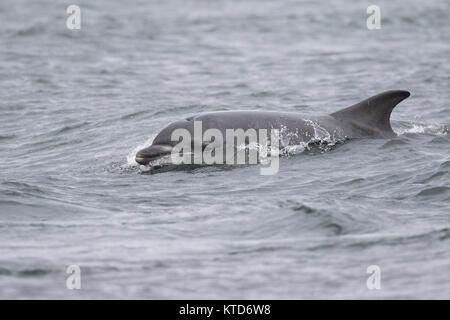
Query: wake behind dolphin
[[369, 118]]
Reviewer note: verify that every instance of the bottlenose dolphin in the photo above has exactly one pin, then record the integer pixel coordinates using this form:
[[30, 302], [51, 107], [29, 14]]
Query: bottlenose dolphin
[[368, 118]]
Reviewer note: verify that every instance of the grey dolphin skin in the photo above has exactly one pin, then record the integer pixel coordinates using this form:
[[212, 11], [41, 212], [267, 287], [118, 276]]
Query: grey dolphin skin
[[367, 119]]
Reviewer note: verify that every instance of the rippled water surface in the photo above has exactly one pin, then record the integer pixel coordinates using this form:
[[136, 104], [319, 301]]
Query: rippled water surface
[[76, 106]]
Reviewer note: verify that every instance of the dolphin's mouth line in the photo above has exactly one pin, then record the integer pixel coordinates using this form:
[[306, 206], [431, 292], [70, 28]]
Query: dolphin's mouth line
[[154, 152], [142, 159]]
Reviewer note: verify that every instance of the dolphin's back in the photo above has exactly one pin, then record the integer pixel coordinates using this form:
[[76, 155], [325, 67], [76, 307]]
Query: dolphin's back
[[373, 114]]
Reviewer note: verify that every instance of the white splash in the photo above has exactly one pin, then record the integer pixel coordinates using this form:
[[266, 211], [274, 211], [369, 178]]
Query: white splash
[[430, 128], [132, 155]]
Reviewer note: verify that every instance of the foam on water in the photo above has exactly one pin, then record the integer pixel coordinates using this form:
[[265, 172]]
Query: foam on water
[[436, 129], [131, 157]]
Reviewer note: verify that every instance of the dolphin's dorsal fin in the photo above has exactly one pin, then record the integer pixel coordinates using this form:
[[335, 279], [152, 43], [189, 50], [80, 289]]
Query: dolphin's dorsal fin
[[374, 113]]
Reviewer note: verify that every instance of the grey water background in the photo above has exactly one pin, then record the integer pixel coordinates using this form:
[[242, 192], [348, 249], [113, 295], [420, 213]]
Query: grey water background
[[76, 106]]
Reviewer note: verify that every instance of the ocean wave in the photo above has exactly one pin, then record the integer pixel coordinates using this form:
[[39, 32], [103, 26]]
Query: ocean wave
[[365, 241], [435, 129], [434, 191]]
